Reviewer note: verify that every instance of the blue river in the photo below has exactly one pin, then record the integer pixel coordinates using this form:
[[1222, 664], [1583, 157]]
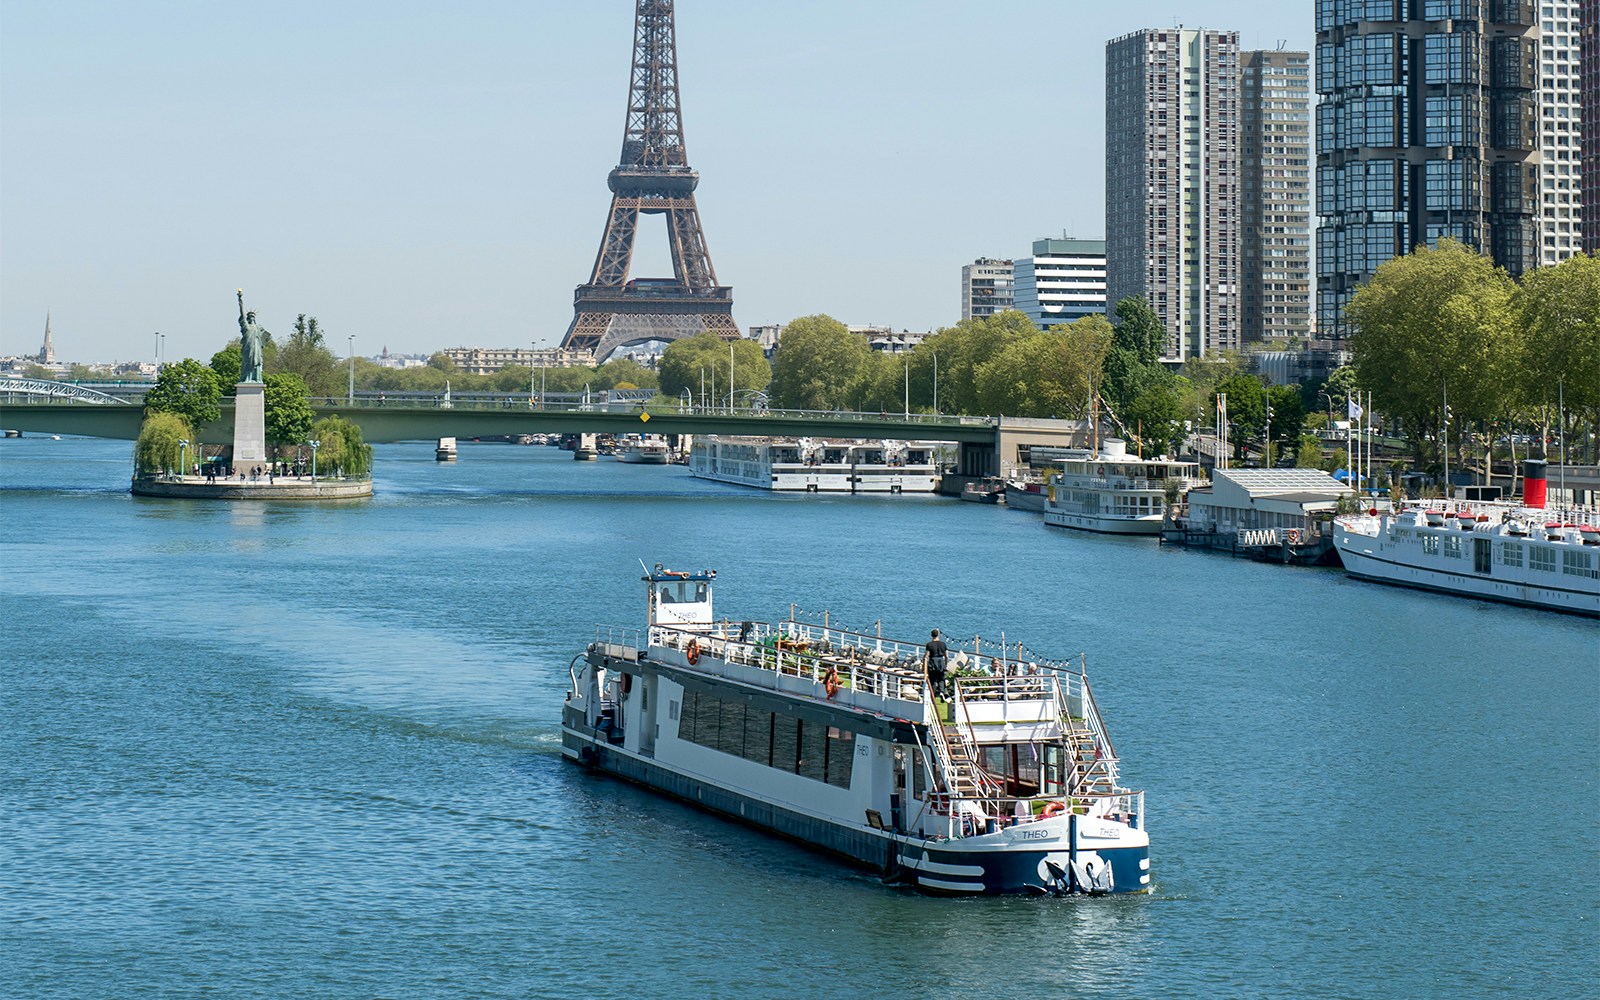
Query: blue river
[[265, 750]]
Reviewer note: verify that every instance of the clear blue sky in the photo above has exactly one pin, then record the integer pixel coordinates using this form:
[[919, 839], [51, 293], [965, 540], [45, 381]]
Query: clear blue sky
[[425, 175]]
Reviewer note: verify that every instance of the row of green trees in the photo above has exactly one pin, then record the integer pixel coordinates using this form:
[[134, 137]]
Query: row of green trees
[[1446, 322]]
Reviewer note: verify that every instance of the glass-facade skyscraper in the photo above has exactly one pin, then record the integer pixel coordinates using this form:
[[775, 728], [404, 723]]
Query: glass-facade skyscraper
[[1428, 126]]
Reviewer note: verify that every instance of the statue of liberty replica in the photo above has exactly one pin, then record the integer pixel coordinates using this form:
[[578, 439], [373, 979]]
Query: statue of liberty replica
[[251, 337], [249, 408]]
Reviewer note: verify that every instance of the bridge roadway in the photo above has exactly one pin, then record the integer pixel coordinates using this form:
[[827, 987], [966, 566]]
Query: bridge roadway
[[383, 423]]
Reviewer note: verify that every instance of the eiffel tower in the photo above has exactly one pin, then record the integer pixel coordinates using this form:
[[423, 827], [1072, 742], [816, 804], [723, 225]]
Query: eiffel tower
[[652, 178]]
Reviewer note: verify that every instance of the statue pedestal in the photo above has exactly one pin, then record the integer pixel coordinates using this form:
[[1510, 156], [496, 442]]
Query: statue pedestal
[[249, 426]]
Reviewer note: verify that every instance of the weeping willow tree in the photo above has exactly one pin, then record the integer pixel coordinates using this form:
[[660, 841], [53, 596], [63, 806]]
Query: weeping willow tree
[[341, 447], [160, 447]]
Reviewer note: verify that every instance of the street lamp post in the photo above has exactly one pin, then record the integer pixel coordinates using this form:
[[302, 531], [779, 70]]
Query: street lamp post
[[183, 457], [314, 446], [161, 344], [1330, 409], [935, 381], [351, 399]]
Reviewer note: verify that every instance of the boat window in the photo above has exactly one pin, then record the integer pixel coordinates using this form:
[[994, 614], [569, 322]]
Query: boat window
[[1542, 558], [1430, 545], [700, 593], [666, 593], [1452, 547], [919, 778], [841, 756], [1576, 564], [1511, 554]]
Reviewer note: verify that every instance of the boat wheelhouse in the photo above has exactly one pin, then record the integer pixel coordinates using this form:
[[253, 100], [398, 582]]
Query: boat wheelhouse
[[1493, 551], [835, 739], [817, 465], [1114, 492]]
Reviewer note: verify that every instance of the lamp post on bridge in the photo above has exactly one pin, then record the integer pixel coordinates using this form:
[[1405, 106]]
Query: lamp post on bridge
[[350, 400], [161, 350], [935, 382]]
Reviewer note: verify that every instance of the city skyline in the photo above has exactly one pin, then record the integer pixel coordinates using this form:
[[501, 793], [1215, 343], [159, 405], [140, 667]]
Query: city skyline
[[424, 179]]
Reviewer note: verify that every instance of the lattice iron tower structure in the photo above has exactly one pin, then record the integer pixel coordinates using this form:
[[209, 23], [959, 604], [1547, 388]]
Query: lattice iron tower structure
[[652, 178]]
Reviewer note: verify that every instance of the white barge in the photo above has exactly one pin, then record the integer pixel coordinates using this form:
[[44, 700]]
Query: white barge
[[817, 465], [834, 739]]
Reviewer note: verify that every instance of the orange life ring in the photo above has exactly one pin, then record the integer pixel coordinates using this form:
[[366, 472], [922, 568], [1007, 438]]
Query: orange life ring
[[830, 682], [1052, 809], [691, 652]]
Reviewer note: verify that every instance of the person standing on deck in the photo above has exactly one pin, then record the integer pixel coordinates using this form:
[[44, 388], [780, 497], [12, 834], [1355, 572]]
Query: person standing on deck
[[933, 660]]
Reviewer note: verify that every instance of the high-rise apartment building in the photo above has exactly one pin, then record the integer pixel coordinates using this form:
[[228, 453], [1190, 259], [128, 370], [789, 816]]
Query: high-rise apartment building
[[986, 288], [1064, 280], [1275, 195], [1560, 133], [1172, 182], [1589, 101], [1440, 118]]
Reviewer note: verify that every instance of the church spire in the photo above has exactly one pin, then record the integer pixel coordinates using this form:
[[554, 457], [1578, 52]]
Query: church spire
[[47, 353]]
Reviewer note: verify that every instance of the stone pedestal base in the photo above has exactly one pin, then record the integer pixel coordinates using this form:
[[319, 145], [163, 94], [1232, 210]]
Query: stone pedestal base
[[249, 426]]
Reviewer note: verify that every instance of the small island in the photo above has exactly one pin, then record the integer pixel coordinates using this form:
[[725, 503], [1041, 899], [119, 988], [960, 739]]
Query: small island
[[279, 449]]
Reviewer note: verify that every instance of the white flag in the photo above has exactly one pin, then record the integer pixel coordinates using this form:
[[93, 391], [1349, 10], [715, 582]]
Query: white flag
[[1355, 408]]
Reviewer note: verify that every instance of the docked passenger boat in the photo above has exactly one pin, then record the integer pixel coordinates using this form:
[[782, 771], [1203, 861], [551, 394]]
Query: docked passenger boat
[[817, 465], [643, 449], [834, 739], [1114, 492], [1494, 551], [1026, 494]]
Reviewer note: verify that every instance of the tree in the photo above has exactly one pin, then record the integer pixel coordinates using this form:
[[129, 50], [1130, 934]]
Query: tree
[[189, 389], [39, 373], [1432, 321], [614, 373], [1139, 329], [1156, 415], [442, 362], [967, 345], [1308, 453], [1045, 374], [226, 363], [340, 446], [1288, 412], [819, 361], [159, 446], [289, 414], [1247, 409], [307, 356], [693, 363], [1558, 311]]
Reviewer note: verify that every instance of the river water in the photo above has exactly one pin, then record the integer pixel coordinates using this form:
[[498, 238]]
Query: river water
[[255, 750]]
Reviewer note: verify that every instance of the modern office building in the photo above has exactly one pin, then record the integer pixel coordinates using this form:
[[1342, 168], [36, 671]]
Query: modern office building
[[1589, 87], [1172, 183], [1442, 118], [1275, 195], [1064, 280], [986, 288]]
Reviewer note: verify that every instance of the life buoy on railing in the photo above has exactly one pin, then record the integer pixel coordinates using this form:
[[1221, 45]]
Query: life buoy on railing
[[1100, 471], [1292, 535], [830, 682], [691, 652], [1052, 809]]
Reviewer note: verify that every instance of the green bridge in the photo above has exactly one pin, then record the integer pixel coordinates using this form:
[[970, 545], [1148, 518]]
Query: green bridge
[[988, 445]]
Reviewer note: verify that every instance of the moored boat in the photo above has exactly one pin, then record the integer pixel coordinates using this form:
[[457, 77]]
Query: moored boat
[[643, 449], [1492, 551], [984, 491], [1006, 783], [1114, 492], [817, 465], [1026, 494]]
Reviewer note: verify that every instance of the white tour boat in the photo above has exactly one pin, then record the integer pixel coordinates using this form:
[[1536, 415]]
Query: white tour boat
[[643, 449], [1494, 551], [1114, 492], [833, 738], [817, 465]]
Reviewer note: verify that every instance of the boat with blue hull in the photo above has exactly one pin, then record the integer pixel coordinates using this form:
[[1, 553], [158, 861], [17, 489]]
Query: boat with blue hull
[[1005, 782]]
